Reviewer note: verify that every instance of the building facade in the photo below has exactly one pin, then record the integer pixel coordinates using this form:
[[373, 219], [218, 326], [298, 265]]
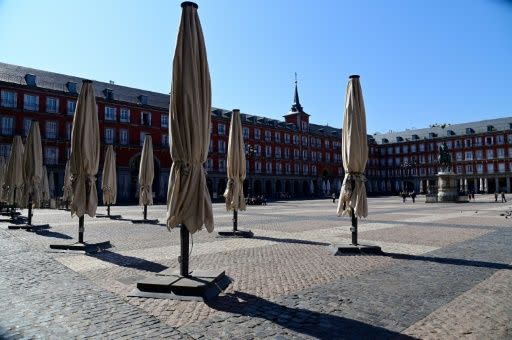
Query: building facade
[[289, 158]]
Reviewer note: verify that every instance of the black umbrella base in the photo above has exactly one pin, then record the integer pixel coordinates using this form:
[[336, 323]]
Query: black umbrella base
[[29, 227], [86, 247], [15, 220], [6, 213], [143, 221], [237, 233], [200, 285], [114, 217], [346, 249]]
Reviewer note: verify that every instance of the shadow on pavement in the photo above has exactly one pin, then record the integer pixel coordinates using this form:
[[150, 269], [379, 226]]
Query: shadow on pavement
[[289, 240], [444, 260], [49, 233], [303, 321], [128, 261]]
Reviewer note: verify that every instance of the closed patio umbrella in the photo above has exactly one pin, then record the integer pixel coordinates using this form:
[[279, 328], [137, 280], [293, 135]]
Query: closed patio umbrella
[[32, 174], [311, 187], [67, 192], [45, 187], [3, 168], [51, 184], [13, 181], [146, 175], [353, 200], [328, 186], [234, 194], [109, 179], [84, 162]]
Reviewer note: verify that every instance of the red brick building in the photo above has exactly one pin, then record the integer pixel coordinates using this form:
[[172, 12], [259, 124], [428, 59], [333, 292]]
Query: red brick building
[[293, 157]]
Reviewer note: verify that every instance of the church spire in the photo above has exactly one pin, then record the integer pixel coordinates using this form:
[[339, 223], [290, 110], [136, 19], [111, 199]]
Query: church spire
[[296, 107]]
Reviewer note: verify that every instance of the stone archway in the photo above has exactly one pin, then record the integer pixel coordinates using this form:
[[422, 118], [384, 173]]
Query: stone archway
[[257, 188], [288, 187], [279, 186], [268, 188], [305, 188], [297, 189]]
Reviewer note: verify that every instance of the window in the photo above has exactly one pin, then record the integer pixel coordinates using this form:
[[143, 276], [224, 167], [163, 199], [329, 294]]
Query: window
[[479, 168], [68, 153], [51, 129], [509, 139], [478, 141], [165, 140], [209, 164], [110, 113], [488, 140], [145, 118], [501, 167], [257, 167], [210, 146], [469, 155], [413, 148], [8, 99], [256, 133], [26, 126], [469, 169], [124, 115], [304, 154], [142, 137], [467, 143], [295, 139], [268, 167], [458, 156], [268, 136], [327, 144], [479, 154], [305, 169], [245, 132], [52, 105], [287, 153], [397, 149], [279, 168], [288, 168], [258, 150], [5, 150], [123, 137], [278, 152], [31, 102], [327, 157], [287, 138], [268, 151], [277, 137], [406, 148], [490, 154], [304, 126], [510, 153], [109, 136], [295, 153], [164, 120], [304, 140], [422, 147], [51, 155], [449, 144], [500, 139], [7, 126], [490, 168], [501, 153], [221, 128], [296, 169], [222, 146], [69, 127], [71, 106], [222, 165]]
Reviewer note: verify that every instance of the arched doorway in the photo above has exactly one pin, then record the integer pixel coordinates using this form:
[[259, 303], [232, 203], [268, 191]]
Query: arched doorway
[[305, 188], [134, 177], [257, 188], [296, 189], [221, 187], [288, 187], [268, 188]]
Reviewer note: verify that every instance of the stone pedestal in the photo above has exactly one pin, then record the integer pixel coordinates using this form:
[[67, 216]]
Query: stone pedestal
[[447, 187]]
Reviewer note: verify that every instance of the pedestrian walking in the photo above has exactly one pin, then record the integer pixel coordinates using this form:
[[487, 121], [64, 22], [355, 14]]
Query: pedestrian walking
[[333, 197], [503, 199], [496, 196], [413, 196]]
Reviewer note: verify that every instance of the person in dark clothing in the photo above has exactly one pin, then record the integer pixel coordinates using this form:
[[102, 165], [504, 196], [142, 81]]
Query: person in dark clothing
[[333, 197], [413, 196], [495, 196], [503, 199]]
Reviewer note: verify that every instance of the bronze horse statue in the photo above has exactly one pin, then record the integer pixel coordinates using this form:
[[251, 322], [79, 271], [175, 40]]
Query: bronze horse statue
[[444, 159]]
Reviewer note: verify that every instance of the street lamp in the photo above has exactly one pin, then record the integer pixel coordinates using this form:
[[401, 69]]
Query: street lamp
[[405, 170], [250, 151]]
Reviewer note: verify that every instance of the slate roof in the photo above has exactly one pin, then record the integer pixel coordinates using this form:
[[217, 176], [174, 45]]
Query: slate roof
[[445, 130]]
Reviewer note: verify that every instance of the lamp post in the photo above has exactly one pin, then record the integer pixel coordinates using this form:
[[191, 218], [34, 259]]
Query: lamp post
[[405, 171], [250, 151]]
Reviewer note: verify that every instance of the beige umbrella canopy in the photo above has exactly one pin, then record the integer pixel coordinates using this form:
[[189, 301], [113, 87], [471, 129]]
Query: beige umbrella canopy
[[236, 171], [33, 165], [45, 186], [14, 172], [66, 189], [51, 184], [146, 172], [85, 153], [354, 152], [188, 200], [109, 177]]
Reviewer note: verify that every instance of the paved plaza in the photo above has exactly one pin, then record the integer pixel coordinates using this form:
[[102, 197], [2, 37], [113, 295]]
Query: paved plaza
[[446, 274]]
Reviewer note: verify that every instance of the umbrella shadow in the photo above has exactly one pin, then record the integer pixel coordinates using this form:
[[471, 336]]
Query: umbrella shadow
[[303, 321], [128, 261], [49, 233], [452, 261], [289, 240]]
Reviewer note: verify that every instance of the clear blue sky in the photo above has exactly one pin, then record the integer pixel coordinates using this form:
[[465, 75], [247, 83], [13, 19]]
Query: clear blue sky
[[421, 61]]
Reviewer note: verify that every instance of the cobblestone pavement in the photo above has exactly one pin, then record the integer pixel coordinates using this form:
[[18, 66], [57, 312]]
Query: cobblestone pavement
[[447, 273]]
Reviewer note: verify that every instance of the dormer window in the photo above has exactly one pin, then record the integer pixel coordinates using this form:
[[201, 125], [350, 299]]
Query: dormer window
[[71, 86], [450, 133], [415, 137], [490, 128], [399, 139], [109, 94], [30, 79], [432, 135], [385, 140], [469, 131], [143, 99]]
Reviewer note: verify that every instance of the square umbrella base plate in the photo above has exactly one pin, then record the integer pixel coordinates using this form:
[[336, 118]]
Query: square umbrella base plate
[[143, 221], [238, 233], [115, 217], [29, 227], [343, 249], [6, 213], [86, 247], [200, 285]]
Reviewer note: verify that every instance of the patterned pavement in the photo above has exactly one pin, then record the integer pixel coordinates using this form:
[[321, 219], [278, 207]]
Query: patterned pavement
[[446, 274]]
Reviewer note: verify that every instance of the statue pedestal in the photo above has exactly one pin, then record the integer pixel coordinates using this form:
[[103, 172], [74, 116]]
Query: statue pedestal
[[447, 187]]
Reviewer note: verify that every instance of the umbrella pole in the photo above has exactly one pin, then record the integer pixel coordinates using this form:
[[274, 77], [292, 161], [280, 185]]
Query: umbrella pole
[[29, 210], [81, 229], [145, 211], [353, 229], [235, 220], [184, 238], [108, 210], [13, 210]]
